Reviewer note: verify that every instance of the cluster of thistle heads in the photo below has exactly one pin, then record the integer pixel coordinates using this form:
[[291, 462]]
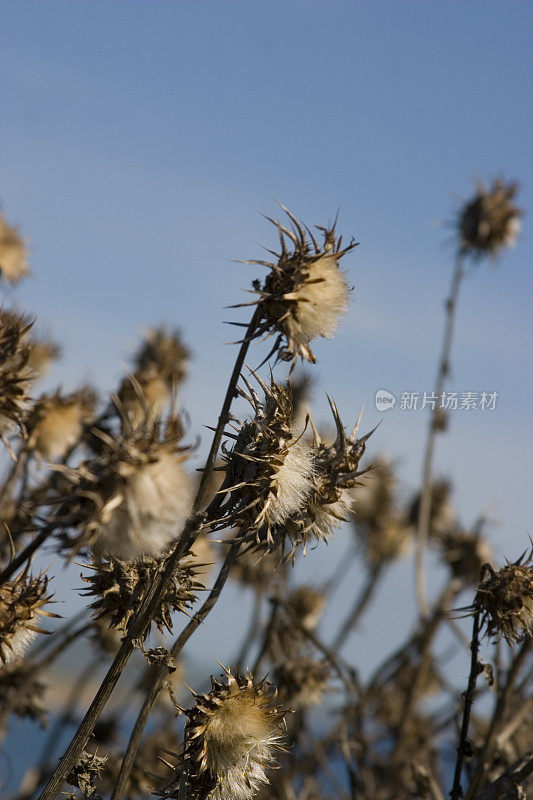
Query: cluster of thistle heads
[[106, 481]]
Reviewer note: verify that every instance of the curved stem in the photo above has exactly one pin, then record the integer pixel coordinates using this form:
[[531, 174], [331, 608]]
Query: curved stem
[[141, 620], [424, 513]]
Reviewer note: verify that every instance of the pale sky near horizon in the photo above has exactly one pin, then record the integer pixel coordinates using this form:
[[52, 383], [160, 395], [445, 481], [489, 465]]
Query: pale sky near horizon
[[140, 140]]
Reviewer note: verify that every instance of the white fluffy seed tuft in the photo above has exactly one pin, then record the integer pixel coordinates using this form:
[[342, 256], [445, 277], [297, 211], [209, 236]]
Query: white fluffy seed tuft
[[155, 503], [320, 301], [291, 484]]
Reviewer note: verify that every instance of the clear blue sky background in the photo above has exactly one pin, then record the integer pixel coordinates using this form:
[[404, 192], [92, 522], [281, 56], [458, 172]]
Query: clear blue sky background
[[141, 139]]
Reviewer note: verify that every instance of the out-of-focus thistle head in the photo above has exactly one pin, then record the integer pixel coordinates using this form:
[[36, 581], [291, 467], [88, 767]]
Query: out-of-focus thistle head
[[119, 587], [258, 571], [443, 517], [56, 422], [307, 604], [131, 499], [230, 739], [21, 603], [305, 292], [465, 552], [505, 600], [13, 254], [161, 364], [383, 530], [15, 376], [43, 352], [490, 220], [302, 682], [269, 470]]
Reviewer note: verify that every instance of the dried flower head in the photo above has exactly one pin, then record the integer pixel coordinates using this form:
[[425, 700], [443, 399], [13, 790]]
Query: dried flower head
[[161, 364], [465, 553], [259, 571], [307, 604], [305, 292], [131, 499], [56, 423], [230, 738], [505, 600], [391, 539], [489, 221], [43, 352], [269, 470], [21, 603], [13, 253], [15, 376], [22, 692], [119, 587], [442, 516], [302, 682], [335, 477]]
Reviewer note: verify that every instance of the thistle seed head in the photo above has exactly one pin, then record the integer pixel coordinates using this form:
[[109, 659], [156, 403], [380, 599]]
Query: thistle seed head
[[56, 422], [443, 517], [465, 553], [230, 738], [119, 587], [336, 475], [15, 375], [302, 682], [505, 600], [307, 604], [21, 603], [305, 292], [391, 540], [13, 253], [131, 499], [489, 221], [269, 470]]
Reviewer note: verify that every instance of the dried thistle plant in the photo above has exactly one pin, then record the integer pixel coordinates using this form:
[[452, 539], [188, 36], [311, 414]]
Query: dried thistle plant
[[119, 587], [231, 737], [505, 600], [269, 470], [15, 377], [160, 366], [131, 499], [305, 292], [21, 603], [56, 422], [489, 221]]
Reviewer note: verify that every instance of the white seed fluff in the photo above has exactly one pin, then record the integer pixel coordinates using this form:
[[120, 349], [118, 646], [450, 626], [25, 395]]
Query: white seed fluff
[[320, 301], [291, 484], [155, 503]]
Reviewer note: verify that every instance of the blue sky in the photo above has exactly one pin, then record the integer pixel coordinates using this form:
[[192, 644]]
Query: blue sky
[[141, 139]]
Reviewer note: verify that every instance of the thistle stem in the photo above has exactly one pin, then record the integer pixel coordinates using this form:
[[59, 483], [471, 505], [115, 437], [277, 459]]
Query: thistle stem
[[465, 748], [424, 513], [141, 620]]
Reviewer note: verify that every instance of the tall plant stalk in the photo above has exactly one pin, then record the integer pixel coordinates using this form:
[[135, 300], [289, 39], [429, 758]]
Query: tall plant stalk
[[424, 514]]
